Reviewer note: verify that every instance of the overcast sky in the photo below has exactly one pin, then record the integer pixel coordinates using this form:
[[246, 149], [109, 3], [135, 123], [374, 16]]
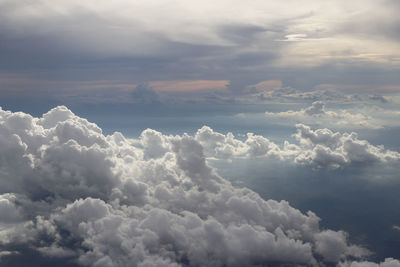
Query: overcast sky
[[95, 51]]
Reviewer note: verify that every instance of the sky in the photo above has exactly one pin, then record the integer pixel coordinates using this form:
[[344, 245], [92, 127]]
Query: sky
[[210, 133]]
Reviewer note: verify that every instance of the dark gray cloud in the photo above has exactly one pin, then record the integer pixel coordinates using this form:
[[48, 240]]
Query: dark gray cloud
[[143, 93], [379, 98], [317, 108]]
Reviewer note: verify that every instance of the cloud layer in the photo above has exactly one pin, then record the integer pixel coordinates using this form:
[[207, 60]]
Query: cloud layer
[[70, 193], [371, 117], [107, 46], [321, 148], [125, 28]]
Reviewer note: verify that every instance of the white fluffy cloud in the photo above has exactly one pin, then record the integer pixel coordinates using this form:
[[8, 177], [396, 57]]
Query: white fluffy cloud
[[321, 148], [225, 146], [325, 148], [69, 192]]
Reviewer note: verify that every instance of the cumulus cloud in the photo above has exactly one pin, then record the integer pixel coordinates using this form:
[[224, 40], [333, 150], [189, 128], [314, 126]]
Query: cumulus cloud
[[325, 148], [317, 108], [333, 245], [226, 146], [321, 148], [71, 193], [317, 114]]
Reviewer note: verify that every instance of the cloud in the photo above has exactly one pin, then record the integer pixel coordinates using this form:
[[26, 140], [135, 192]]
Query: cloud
[[117, 45], [333, 245], [287, 93], [8, 209], [120, 41], [145, 94], [227, 146], [190, 86], [321, 148], [317, 108], [317, 114], [396, 227], [265, 86], [72, 194], [372, 88], [328, 93], [325, 148], [379, 98], [389, 262]]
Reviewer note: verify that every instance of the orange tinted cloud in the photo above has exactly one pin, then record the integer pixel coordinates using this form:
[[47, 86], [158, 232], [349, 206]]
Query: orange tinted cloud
[[190, 86]]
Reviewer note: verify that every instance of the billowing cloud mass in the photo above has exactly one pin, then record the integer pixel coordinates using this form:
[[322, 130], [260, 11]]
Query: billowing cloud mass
[[328, 149], [69, 193], [321, 148]]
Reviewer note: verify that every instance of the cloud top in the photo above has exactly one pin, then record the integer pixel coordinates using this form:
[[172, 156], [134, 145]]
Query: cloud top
[[71, 193]]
